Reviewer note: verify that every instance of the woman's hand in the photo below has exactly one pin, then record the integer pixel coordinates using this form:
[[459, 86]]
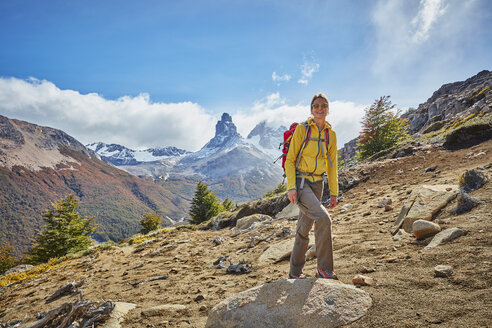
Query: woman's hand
[[292, 194], [333, 202]]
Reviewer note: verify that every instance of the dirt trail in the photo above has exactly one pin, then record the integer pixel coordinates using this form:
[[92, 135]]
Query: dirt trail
[[406, 293]]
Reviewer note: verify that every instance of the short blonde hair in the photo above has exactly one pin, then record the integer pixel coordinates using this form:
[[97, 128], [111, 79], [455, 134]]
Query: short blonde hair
[[320, 95]]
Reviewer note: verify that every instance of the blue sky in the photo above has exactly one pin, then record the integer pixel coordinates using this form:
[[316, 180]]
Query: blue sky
[[158, 73]]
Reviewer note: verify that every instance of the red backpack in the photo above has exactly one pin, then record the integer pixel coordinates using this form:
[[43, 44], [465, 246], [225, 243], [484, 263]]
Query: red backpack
[[288, 137]]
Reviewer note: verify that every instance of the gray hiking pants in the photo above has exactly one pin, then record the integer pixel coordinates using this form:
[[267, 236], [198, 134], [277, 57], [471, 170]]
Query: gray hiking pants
[[311, 211]]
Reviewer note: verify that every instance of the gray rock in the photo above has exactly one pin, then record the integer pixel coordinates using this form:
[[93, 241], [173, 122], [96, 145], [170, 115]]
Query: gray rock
[[472, 180], [164, 310], [19, 269], [445, 236], [423, 229], [247, 221], [465, 203], [297, 303], [290, 211], [118, 314], [442, 271], [346, 207], [401, 234]]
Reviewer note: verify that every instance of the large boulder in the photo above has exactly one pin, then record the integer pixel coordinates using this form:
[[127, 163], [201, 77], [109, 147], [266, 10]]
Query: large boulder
[[468, 136], [292, 303], [423, 203]]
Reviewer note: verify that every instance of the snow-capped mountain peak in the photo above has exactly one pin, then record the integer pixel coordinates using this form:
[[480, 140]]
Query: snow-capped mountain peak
[[225, 133], [121, 155], [267, 138]]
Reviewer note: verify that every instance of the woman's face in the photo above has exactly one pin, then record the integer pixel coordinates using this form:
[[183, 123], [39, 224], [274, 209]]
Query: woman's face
[[319, 109]]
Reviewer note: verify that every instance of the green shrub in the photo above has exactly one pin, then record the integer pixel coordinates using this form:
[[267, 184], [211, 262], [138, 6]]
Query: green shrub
[[7, 259], [65, 232], [150, 222], [381, 128], [281, 188]]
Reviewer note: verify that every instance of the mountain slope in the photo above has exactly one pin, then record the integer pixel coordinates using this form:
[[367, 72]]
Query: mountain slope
[[406, 292], [40, 165]]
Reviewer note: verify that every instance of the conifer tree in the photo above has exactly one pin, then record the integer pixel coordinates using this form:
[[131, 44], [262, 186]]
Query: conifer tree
[[204, 204], [7, 259], [381, 128], [227, 204], [65, 232], [150, 222]]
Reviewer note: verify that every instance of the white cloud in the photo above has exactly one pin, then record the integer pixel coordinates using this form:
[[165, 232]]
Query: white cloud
[[135, 122], [344, 116], [308, 68], [280, 78], [425, 38], [429, 12]]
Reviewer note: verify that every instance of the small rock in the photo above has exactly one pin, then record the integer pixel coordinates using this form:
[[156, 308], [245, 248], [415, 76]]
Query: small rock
[[442, 271], [422, 229], [217, 241], [388, 208], [385, 202], [465, 203], [473, 217], [203, 308], [360, 280], [431, 168], [199, 298], [372, 249], [366, 214], [346, 207], [472, 180], [366, 270], [400, 235]]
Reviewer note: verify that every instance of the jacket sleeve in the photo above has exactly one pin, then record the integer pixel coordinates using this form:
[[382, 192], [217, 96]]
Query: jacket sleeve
[[332, 171], [291, 159]]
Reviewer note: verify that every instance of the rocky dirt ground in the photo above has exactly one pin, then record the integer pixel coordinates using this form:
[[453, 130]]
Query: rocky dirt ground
[[406, 293]]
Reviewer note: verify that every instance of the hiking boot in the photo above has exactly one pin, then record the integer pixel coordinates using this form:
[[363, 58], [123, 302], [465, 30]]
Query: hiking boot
[[300, 276], [326, 274]]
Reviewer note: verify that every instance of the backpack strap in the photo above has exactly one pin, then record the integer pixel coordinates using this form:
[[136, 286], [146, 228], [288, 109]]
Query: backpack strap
[[307, 135], [327, 138]]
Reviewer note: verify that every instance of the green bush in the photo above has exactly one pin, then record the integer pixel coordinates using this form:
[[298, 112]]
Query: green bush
[[381, 128], [65, 232], [7, 259], [281, 188], [150, 222]]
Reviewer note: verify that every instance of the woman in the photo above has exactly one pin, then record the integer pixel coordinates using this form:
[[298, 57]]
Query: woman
[[308, 164]]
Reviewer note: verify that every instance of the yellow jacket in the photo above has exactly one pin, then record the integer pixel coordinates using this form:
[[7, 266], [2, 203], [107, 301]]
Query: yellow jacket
[[313, 159]]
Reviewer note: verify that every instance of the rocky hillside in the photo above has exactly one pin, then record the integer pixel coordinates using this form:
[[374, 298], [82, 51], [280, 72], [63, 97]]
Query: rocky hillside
[[177, 278], [40, 165], [458, 114]]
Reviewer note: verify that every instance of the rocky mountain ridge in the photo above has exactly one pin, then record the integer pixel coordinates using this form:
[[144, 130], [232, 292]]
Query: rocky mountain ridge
[[452, 105]]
